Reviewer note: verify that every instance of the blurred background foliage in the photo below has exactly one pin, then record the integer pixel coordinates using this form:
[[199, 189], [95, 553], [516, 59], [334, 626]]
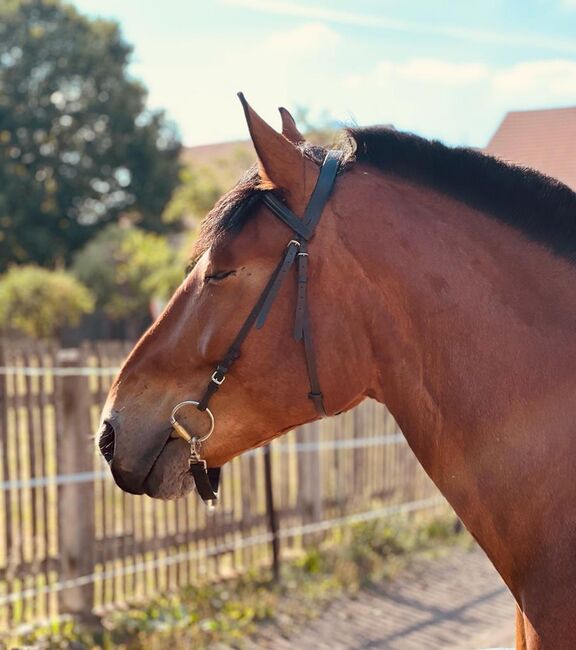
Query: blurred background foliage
[[127, 268], [37, 302], [92, 181]]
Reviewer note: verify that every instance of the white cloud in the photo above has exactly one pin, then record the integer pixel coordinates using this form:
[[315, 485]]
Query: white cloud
[[556, 79], [425, 70], [553, 79], [281, 69], [301, 41], [457, 32], [458, 102]]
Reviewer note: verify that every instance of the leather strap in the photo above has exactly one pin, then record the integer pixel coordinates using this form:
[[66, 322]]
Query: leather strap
[[288, 260], [323, 189], [301, 291], [262, 306], [286, 215], [206, 480], [315, 393]]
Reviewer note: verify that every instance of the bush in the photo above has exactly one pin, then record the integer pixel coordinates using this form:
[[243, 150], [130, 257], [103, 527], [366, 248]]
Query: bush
[[126, 268], [36, 301]]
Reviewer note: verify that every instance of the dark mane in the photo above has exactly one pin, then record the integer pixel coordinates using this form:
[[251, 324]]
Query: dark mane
[[543, 208], [229, 214]]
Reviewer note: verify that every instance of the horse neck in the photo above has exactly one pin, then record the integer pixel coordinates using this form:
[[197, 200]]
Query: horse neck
[[468, 299], [472, 337]]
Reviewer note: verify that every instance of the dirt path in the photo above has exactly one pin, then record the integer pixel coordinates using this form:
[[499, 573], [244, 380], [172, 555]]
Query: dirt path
[[456, 602]]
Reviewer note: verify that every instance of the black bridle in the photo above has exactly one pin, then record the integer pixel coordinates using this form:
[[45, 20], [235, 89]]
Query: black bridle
[[206, 479]]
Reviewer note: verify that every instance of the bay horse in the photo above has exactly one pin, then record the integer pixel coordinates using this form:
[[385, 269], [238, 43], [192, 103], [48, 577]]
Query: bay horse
[[440, 283]]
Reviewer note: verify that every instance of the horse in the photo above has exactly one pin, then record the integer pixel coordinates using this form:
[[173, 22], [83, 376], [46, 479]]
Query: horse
[[439, 281]]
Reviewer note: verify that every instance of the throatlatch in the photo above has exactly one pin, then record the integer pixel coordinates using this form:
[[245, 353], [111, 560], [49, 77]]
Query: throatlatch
[[207, 479]]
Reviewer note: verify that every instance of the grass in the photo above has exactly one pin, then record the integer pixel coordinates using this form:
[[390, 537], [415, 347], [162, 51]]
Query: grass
[[222, 615]]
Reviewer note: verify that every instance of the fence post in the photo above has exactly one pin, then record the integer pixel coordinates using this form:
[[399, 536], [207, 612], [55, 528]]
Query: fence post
[[272, 514], [75, 452]]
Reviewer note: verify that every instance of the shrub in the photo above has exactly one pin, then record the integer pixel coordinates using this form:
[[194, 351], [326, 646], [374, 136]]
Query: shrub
[[36, 301], [126, 268]]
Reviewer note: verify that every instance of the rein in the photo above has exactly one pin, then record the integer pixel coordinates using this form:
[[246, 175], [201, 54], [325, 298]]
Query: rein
[[207, 479]]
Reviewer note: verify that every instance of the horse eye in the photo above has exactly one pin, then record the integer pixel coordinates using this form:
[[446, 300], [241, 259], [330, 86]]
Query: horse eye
[[216, 277]]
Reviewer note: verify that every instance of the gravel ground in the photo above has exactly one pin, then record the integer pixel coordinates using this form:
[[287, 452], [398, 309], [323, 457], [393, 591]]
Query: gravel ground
[[455, 602]]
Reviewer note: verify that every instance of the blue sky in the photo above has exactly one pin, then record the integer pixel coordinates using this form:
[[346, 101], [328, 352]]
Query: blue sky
[[443, 69]]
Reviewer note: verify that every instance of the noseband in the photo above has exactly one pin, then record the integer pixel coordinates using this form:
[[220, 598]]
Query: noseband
[[206, 479]]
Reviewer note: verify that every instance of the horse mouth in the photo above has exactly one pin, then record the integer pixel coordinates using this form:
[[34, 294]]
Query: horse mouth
[[165, 473], [169, 477]]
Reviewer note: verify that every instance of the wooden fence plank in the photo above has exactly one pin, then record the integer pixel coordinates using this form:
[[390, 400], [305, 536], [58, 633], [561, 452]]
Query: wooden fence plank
[[76, 501]]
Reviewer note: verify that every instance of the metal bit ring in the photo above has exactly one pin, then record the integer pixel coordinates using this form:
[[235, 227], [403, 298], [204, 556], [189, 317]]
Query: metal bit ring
[[181, 431]]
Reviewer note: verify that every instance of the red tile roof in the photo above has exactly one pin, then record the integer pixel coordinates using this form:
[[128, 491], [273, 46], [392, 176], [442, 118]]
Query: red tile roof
[[211, 153], [543, 139]]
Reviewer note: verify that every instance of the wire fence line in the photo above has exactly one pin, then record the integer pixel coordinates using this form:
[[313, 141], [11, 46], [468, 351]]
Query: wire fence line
[[71, 543], [55, 371], [218, 549], [299, 447]]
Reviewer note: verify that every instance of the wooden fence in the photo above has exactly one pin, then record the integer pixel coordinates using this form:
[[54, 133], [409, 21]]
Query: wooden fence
[[72, 543]]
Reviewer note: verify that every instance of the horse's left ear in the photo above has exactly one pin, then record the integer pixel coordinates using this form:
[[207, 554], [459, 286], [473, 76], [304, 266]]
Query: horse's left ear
[[289, 128], [282, 164]]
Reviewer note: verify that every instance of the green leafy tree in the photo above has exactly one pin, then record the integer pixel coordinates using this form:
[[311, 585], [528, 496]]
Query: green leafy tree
[[77, 146], [126, 268], [36, 301]]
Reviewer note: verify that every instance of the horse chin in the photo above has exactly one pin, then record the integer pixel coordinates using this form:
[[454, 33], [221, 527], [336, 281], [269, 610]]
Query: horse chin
[[169, 477]]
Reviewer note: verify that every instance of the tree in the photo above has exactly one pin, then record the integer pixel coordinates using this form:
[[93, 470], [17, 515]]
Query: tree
[[36, 301], [126, 268], [77, 146]]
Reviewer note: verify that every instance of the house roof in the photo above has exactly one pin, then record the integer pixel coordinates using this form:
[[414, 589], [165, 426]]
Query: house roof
[[544, 140], [212, 153]]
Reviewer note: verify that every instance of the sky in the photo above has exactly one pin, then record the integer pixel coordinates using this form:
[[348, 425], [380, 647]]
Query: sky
[[445, 69]]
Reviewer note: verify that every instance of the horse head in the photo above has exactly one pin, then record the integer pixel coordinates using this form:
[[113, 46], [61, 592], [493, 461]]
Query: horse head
[[236, 259]]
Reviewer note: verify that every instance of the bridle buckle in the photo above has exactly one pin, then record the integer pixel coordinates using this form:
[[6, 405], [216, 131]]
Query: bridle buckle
[[215, 378], [195, 446]]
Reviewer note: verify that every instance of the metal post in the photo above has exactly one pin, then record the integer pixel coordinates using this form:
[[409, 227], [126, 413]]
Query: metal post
[[272, 515]]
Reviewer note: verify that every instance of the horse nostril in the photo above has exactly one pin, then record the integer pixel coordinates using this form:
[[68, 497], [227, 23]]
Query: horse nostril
[[106, 441]]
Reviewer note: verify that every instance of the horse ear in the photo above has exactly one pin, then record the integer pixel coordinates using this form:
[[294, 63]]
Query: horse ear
[[281, 163], [289, 128]]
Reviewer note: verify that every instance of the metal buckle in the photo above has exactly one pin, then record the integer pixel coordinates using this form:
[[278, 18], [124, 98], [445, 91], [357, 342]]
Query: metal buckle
[[195, 458], [295, 242], [215, 379]]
